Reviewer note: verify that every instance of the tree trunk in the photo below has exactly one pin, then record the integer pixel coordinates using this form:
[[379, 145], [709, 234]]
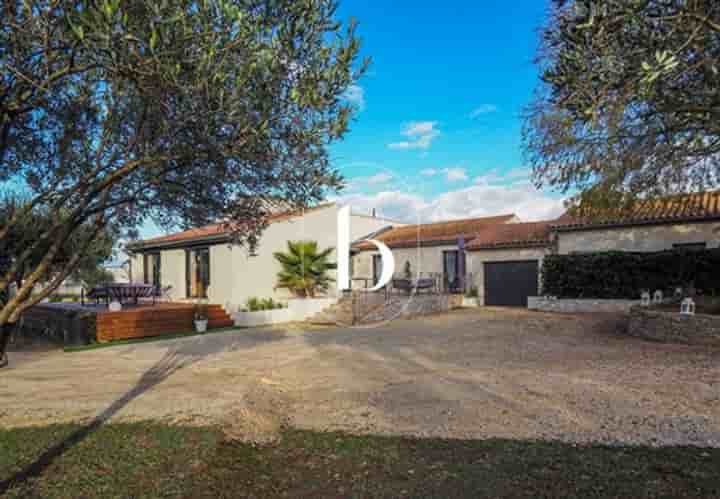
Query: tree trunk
[[5, 331]]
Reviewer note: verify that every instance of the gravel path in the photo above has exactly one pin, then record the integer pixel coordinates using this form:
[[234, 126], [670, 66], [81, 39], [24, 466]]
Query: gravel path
[[468, 374]]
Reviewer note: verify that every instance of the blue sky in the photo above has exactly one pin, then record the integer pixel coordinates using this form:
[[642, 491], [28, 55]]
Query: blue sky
[[437, 135], [438, 130]]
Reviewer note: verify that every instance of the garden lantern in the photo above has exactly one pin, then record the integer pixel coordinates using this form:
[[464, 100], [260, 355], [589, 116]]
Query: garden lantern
[[657, 297], [645, 299], [687, 307]]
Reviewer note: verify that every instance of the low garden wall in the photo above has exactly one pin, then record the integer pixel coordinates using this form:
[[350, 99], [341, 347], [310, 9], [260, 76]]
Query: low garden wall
[[672, 327], [297, 310], [579, 305], [65, 324]]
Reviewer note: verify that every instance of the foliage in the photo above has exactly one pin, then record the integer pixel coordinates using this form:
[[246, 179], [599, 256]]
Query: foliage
[[624, 275], [628, 105], [182, 111], [60, 297], [24, 233], [92, 277], [255, 304], [304, 268]]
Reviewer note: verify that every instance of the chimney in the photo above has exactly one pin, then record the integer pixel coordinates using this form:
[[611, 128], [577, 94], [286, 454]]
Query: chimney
[[373, 212]]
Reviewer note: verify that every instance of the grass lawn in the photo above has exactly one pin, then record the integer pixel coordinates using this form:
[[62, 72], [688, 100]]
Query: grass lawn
[[152, 460]]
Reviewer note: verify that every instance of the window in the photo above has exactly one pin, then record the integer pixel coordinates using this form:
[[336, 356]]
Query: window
[[197, 272], [151, 268], [690, 246], [453, 265]]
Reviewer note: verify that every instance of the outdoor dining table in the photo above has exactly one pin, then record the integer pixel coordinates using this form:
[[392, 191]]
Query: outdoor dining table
[[124, 291]]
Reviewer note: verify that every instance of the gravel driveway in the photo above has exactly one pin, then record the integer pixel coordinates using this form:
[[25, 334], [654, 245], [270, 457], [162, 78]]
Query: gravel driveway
[[467, 374]]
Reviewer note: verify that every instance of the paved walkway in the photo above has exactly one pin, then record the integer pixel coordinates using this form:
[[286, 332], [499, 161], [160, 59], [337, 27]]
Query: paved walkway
[[468, 374]]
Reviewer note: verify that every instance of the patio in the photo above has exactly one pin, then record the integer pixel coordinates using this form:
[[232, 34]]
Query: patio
[[79, 324]]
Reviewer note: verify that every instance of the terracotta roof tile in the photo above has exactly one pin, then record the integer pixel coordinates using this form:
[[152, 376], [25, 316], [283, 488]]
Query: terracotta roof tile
[[410, 235], [696, 206], [512, 235], [217, 229]]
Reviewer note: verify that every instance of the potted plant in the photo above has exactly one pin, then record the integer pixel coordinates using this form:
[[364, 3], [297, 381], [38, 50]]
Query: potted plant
[[201, 317]]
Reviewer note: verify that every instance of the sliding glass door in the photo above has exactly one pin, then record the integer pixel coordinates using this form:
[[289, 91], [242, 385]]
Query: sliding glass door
[[197, 267], [151, 270], [453, 265]]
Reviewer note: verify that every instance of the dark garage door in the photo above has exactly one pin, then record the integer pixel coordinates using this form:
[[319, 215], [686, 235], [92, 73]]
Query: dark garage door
[[508, 284]]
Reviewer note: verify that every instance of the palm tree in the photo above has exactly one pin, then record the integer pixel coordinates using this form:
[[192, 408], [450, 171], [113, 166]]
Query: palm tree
[[304, 269]]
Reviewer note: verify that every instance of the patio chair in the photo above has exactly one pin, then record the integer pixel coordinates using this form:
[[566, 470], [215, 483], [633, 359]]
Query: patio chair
[[99, 293]]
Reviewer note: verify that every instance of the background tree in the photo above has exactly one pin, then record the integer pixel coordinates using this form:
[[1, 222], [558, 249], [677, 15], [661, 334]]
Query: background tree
[[305, 270], [114, 112], [629, 104], [22, 236]]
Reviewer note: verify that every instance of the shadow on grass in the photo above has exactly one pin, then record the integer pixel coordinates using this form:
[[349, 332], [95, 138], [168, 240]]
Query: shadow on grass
[[178, 356]]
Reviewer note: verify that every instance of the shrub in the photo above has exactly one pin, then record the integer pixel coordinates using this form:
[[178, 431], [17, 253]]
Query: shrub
[[255, 304], [617, 274], [304, 268]]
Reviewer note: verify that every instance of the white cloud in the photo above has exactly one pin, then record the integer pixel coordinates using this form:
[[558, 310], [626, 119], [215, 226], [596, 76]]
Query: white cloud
[[375, 180], [420, 135], [474, 201], [355, 94], [380, 178], [513, 176], [455, 174], [483, 109]]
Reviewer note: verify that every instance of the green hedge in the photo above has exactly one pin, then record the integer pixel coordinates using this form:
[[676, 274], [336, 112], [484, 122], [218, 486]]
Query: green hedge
[[619, 274]]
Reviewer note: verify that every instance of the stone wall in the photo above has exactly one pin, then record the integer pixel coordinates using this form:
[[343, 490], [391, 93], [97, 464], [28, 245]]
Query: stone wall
[[403, 307], [672, 327], [585, 305], [639, 238]]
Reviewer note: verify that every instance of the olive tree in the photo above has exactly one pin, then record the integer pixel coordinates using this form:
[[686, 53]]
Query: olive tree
[[182, 111], [629, 101]]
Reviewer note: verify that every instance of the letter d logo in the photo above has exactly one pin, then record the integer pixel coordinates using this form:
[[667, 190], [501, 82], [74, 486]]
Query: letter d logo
[[343, 254]]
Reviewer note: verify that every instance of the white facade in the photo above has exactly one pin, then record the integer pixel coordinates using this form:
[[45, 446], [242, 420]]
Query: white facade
[[236, 275]]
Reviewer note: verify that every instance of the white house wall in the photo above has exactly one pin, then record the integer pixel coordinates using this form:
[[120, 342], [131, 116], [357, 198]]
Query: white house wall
[[236, 275], [426, 260], [639, 238]]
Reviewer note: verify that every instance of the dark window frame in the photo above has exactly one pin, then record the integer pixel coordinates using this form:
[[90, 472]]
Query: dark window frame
[[189, 253], [457, 284]]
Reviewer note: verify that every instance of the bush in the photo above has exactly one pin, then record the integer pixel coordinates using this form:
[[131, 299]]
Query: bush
[[60, 297], [619, 274], [255, 304]]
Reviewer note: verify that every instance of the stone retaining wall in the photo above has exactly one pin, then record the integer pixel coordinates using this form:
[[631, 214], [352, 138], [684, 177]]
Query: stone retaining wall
[[413, 306], [579, 305], [672, 327]]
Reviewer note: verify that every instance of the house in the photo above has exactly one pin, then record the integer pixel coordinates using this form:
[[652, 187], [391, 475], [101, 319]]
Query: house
[[502, 256], [201, 263], [429, 249]]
